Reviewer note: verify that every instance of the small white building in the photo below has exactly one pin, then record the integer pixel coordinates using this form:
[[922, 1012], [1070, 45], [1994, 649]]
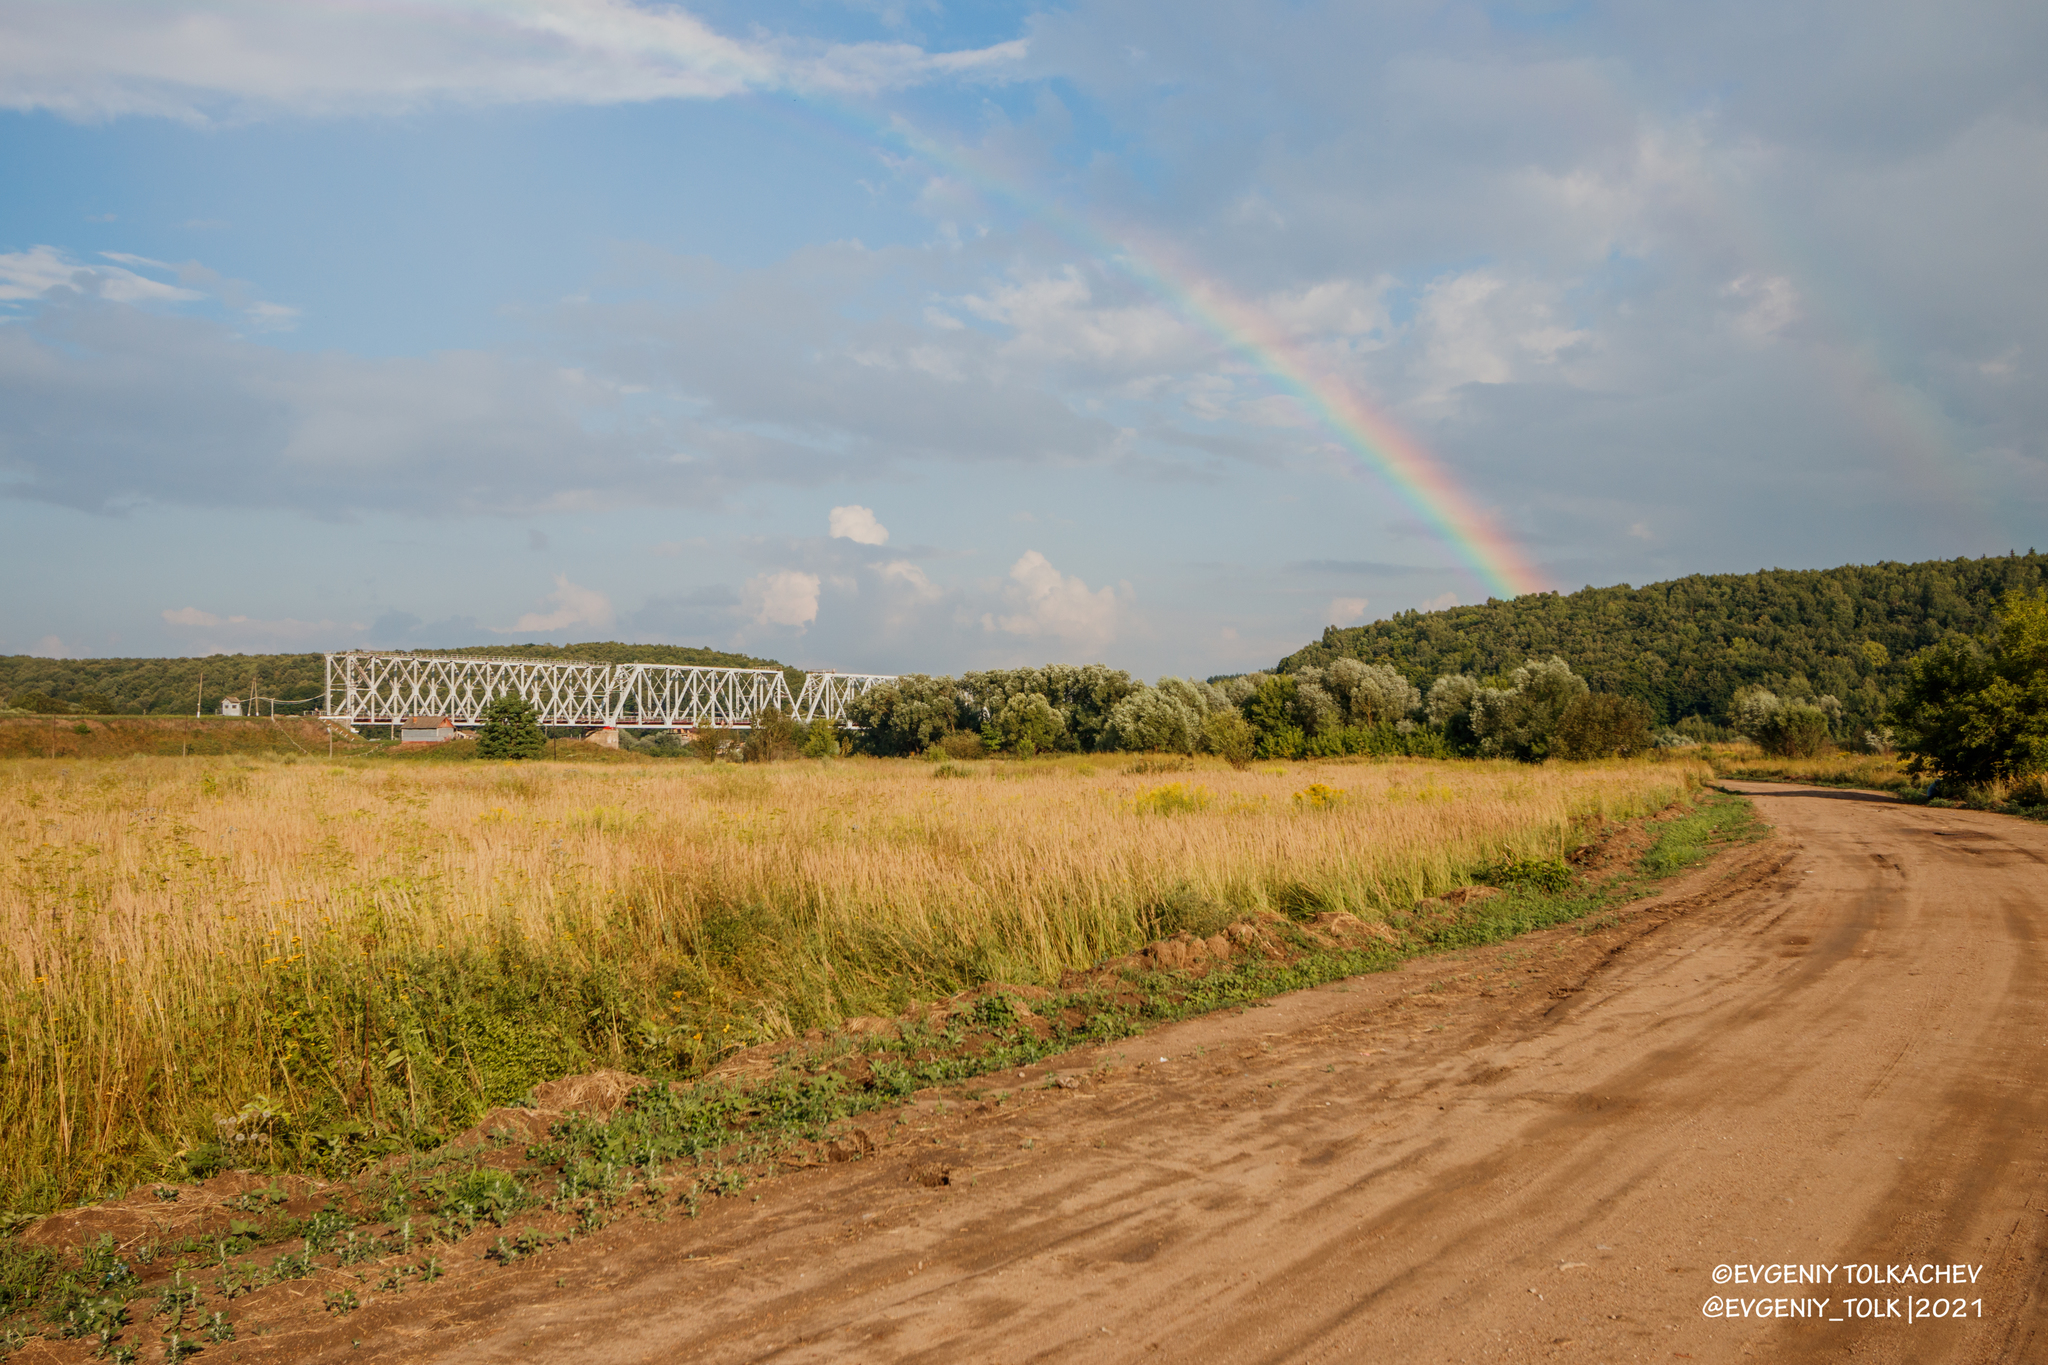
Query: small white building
[[427, 730], [231, 706]]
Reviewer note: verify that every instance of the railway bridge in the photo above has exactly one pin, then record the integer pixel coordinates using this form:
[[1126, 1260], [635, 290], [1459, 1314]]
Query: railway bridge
[[366, 687]]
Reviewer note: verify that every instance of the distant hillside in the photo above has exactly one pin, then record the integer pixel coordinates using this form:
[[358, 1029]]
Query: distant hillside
[[172, 686], [1685, 646]]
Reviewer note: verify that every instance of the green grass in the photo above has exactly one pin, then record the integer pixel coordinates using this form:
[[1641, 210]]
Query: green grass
[[1718, 819]]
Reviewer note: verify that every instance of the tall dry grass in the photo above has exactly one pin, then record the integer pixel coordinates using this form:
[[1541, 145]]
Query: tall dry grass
[[370, 955]]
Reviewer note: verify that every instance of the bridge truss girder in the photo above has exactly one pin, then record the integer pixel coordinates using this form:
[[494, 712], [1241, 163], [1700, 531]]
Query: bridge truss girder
[[369, 688]]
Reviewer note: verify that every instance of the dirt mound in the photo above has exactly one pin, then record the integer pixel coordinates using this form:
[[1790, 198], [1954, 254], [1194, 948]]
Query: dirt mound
[[168, 1212], [596, 1093]]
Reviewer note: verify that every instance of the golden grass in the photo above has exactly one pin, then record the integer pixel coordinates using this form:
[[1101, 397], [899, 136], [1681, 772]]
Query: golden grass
[[184, 934], [1880, 772]]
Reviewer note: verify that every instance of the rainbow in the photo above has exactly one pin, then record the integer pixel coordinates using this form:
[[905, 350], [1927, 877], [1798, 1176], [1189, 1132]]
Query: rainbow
[[1373, 442]]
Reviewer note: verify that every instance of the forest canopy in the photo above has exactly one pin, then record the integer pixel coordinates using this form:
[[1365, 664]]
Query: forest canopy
[[1685, 648]]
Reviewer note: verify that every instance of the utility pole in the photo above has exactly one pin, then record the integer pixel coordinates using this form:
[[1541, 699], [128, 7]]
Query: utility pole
[[199, 702]]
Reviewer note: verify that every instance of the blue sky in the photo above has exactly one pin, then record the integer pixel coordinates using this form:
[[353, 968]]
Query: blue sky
[[804, 329]]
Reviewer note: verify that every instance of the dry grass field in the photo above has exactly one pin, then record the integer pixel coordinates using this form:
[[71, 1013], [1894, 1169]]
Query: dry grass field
[[331, 960], [1878, 772]]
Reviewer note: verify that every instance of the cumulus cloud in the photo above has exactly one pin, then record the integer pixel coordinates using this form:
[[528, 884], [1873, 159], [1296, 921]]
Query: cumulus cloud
[[857, 524], [1047, 604], [783, 598], [1348, 611], [909, 576], [573, 606], [97, 59]]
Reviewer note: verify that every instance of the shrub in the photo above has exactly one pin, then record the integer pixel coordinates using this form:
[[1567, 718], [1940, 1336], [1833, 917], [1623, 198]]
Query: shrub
[[1174, 798], [510, 729], [1795, 730], [773, 735], [1226, 735], [1599, 725]]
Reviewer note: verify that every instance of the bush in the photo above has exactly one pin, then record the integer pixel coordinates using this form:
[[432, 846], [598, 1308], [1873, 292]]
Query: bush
[[774, 735], [1226, 735], [1599, 725], [1795, 730], [510, 729], [963, 744]]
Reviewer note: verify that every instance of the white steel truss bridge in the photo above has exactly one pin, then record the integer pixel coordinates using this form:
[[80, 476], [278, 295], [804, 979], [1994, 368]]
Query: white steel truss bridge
[[370, 688]]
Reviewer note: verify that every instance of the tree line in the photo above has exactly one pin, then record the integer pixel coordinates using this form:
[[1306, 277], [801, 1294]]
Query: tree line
[[1686, 648], [179, 686]]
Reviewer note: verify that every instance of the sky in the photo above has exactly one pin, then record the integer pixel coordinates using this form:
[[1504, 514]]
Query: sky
[[899, 337]]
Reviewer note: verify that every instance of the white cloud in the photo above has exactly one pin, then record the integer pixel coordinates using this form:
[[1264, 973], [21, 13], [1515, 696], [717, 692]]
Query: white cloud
[[1441, 602], [50, 647], [857, 524], [783, 598], [97, 59], [1478, 328], [1345, 611], [31, 274], [910, 576], [573, 606], [1046, 602]]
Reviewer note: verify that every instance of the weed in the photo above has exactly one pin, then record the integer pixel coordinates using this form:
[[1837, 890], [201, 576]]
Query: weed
[[341, 1302], [1174, 798]]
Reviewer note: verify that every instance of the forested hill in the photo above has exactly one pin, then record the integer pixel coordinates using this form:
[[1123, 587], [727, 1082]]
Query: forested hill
[[172, 686], [1687, 645]]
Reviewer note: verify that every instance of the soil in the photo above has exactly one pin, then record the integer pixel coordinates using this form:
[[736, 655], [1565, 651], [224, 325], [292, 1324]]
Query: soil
[[1822, 1049]]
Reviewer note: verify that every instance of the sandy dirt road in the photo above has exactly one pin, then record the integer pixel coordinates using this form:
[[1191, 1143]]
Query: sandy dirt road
[[1826, 1049]]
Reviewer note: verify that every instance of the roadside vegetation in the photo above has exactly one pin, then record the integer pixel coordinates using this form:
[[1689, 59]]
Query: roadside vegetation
[[674, 1147], [337, 961]]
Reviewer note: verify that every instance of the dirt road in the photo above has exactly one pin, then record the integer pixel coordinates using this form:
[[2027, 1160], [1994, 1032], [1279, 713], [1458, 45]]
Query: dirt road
[[1827, 1050]]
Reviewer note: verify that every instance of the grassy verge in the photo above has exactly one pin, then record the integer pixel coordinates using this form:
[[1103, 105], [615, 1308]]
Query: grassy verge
[[1873, 772], [673, 1147], [353, 959]]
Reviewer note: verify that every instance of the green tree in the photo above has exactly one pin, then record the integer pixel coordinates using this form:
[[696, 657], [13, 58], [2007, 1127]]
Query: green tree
[[1521, 720], [1270, 711], [1979, 715], [907, 716], [1027, 724], [510, 729], [1152, 720], [1602, 725]]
